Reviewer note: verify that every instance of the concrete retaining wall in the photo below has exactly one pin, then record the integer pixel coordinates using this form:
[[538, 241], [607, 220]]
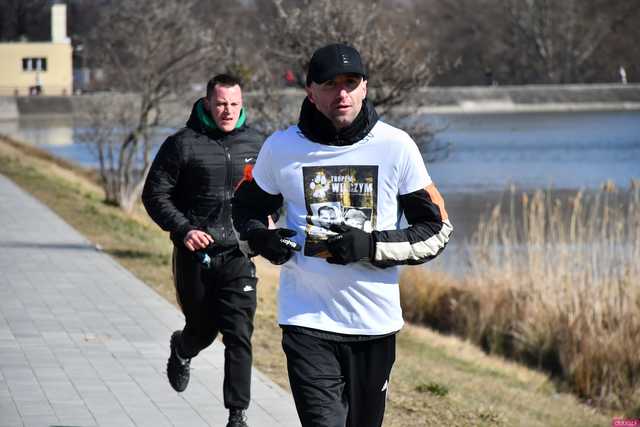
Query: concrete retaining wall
[[8, 108], [529, 98], [433, 99], [44, 105]]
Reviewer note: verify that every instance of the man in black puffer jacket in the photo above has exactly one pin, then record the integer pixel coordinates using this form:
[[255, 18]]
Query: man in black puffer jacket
[[188, 193]]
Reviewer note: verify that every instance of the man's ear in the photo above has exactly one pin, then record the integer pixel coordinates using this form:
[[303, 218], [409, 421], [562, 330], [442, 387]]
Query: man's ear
[[207, 104], [364, 86], [310, 94]]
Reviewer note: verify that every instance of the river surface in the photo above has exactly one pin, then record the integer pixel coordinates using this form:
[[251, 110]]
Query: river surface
[[474, 152], [562, 150], [477, 156]]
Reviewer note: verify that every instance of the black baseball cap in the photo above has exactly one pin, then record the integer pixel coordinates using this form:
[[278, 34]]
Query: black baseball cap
[[332, 60]]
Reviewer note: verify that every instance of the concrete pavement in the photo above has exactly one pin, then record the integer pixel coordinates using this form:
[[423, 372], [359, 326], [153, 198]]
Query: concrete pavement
[[85, 343]]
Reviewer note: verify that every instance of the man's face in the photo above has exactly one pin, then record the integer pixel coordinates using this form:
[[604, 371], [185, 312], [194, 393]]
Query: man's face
[[340, 99], [224, 105], [327, 214]]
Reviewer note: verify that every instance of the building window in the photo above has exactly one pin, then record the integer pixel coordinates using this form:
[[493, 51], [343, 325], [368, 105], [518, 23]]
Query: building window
[[34, 64]]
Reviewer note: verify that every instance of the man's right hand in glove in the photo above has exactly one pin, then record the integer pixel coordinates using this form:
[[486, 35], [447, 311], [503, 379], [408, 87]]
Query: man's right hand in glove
[[274, 244]]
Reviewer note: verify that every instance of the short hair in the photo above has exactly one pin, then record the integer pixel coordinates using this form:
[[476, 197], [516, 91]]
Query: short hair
[[325, 208], [355, 214], [226, 80]]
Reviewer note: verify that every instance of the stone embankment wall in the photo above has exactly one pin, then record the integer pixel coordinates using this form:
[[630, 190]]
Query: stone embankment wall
[[8, 108], [529, 98], [473, 99]]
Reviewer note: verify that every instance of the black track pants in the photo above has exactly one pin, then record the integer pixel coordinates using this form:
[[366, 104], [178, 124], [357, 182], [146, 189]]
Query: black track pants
[[220, 299], [339, 384]]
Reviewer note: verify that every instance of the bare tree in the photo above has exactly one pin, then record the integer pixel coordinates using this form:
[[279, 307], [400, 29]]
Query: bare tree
[[621, 47], [104, 116], [31, 19], [465, 36], [398, 65], [28, 19], [555, 39], [396, 61], [530, 41], [151, 51]]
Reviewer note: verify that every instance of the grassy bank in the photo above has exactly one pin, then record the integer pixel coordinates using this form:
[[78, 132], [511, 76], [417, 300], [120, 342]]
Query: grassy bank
[[437, 380], [554, 282]]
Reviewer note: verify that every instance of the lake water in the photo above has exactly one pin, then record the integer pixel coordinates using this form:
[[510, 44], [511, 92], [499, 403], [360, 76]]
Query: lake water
[[563, 150], [483, 154], [476, 152], [62, 137]]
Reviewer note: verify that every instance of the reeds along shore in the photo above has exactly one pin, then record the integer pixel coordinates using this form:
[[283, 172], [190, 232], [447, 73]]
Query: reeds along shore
[[554, 282]]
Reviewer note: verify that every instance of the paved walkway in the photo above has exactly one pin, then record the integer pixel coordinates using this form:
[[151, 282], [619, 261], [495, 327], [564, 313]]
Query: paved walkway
[[84, 343]]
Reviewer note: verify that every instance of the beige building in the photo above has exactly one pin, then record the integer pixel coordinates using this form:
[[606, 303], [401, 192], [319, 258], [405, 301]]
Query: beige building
[[40, 67]]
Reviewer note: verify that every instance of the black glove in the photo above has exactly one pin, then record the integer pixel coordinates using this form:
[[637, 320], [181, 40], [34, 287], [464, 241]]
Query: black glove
[[274, 245], [350, 245]]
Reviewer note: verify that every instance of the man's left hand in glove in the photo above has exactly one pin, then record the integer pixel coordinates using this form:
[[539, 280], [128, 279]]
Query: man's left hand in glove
[[275, 245], [349, 245]]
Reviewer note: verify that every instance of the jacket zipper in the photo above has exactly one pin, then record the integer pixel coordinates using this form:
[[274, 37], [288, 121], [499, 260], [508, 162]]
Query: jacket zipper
[[227, 186]]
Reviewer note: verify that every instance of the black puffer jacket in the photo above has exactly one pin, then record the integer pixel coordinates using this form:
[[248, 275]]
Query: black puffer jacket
[[192, 179]]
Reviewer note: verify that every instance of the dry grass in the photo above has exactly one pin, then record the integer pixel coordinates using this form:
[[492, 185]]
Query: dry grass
[[481, 390], [437, 380], [555, 283]]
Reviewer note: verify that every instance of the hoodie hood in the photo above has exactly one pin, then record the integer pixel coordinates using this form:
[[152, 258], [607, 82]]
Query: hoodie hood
[[318, 128], [201, 121]]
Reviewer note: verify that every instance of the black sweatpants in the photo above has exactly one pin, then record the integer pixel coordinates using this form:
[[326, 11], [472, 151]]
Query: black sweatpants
[[339, 384], [220, 299]]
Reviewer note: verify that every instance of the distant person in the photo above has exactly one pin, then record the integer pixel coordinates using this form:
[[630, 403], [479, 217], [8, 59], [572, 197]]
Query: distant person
[[289, 77], [340, 314], [489, 78], [623, 75], [188, 193]]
